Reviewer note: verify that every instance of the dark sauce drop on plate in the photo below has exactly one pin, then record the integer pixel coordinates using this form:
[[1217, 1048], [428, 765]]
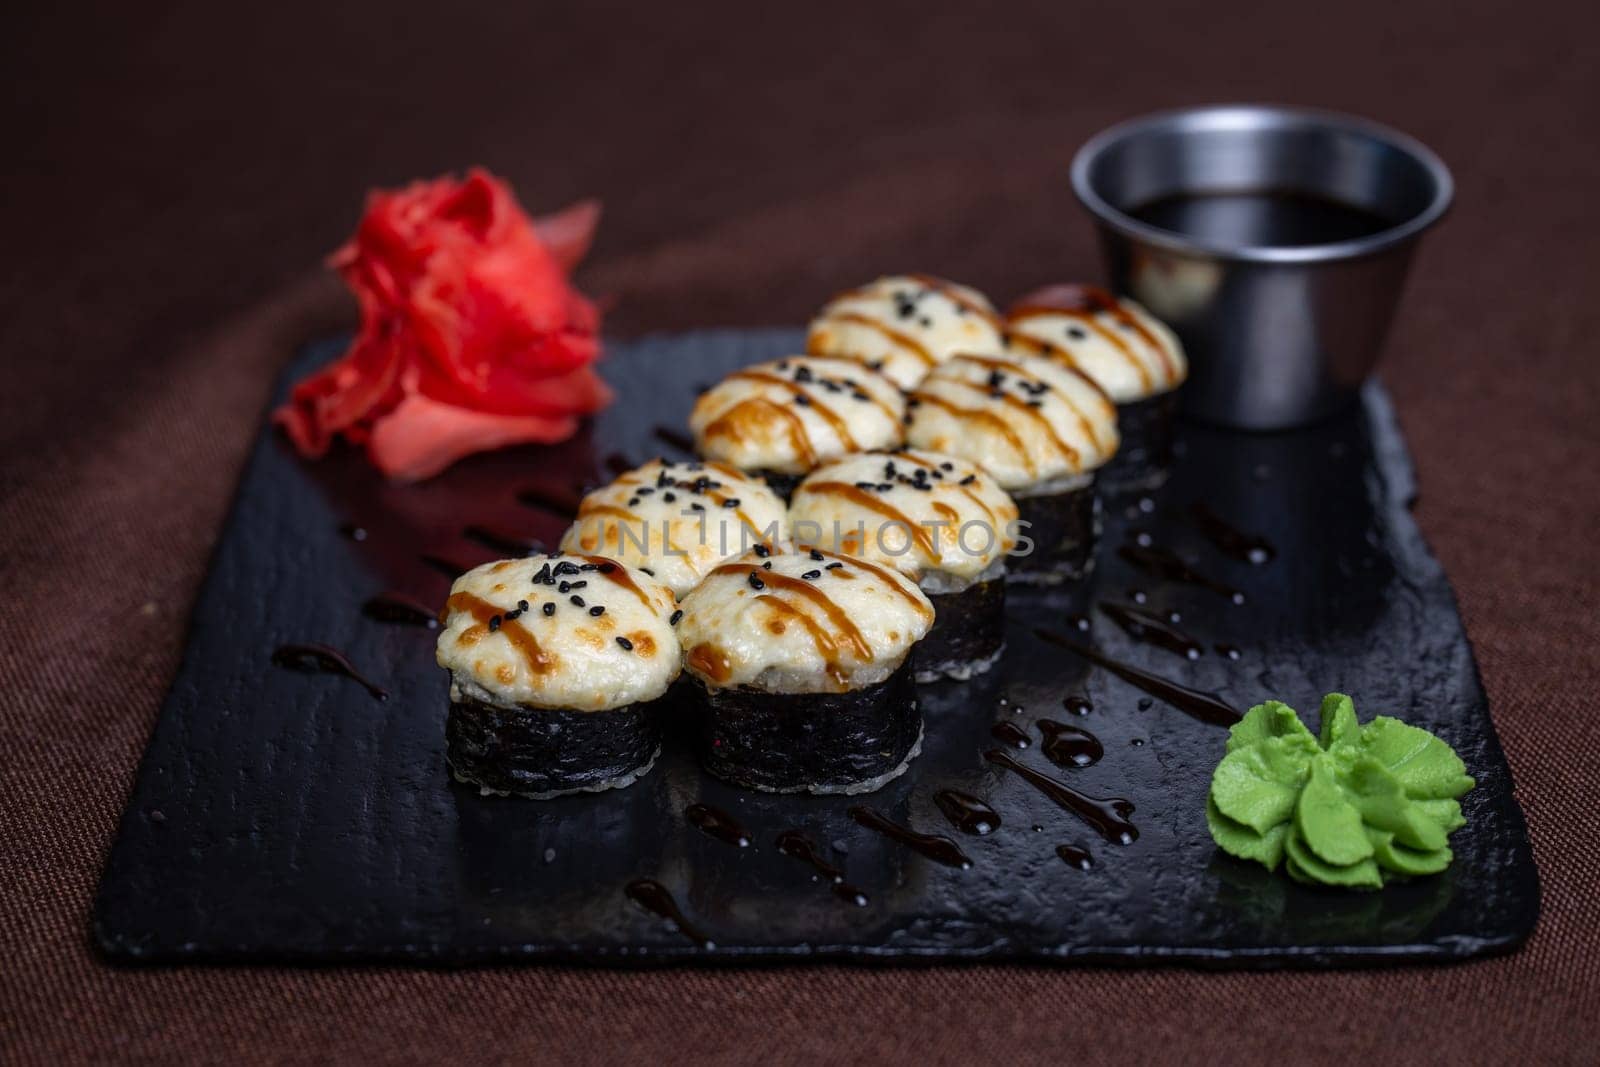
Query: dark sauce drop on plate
[[1235, 542], [321, 659], [1161, 563], [508, 544], [1272, 217], [1075, 856], [654, 897], [1011, 734], [1207, 707], [1069, 746], [714, 822], [399, 608], [1151, 629], [936, 848], [1077, 705], [966, 812], [796, 845], [676, 438], [1106, 816]]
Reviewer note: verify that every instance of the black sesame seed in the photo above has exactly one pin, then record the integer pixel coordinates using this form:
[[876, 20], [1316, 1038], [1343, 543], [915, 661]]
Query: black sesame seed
[[511, 616], [550, 608], [816, 555], [647, 570], [566, 567], [925, 322], [731, 502], [494, 623], [522, 605], [835, 565], [1036, 403], [884, 487], [646, 490], [947, 466], [697, 506], [633, 502], [597, 611], [564, 587], [859, 396], [968, 480], [866, 485], [1077, 333], [763, 551], [606, 568], [669, 497], [676, 615], [590, 567], [577, 601], [543, 576], [803, 400], [767, 566], [756, 582], [627, 646], [811, 576]]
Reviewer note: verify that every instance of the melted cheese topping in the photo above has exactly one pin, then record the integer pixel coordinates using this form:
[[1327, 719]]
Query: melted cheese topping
[[792, 619], [1027, 420], [788, 415], [678, 520], [906, 325], [1127, 351], [919, 512], [502, 653]]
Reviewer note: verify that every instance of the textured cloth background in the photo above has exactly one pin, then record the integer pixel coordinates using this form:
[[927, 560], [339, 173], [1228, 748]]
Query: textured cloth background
[[172, 174]]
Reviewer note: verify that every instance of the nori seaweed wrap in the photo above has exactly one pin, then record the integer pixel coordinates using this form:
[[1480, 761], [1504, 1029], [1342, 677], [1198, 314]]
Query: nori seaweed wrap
[[1041, 429], [1130, 354], [939, 520], [802, 660], [556, 666]]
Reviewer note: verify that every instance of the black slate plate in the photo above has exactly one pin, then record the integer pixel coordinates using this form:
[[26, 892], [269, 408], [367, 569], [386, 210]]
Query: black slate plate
[[280, 815]]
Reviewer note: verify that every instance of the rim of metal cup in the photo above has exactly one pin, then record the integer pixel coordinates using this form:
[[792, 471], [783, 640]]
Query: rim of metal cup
[[1260, 116]]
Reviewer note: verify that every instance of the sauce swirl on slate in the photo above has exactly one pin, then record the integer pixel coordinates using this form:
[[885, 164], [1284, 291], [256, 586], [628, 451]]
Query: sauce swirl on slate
[[1151, 629], [1161, 563], [714, 822], [1235, 542], [1106, 816], [1069, 746], [796, 845], [966, 812], [936, 848], [654, 897], [322, 659], [400, 608], [1207, 707]]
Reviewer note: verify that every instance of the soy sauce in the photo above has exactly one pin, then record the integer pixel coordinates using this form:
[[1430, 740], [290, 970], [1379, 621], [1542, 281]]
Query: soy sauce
[[1278, 218]]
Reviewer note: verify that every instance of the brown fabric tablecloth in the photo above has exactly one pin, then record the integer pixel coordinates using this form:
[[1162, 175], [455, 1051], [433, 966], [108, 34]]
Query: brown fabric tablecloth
[[173, 173]]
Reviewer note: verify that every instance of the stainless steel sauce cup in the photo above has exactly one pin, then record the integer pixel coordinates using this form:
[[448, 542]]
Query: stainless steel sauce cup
[[1277, 336]]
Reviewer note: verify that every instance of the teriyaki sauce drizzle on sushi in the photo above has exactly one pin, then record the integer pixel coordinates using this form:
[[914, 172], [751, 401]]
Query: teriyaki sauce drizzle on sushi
[[1069, 746], [321, 659], [797, 845], [1106, 816], [1207, 707], [654, 897], [936, 848], [714, 822]]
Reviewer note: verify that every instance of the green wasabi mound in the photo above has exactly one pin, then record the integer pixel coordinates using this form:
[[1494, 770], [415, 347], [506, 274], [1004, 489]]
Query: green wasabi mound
[[1357, 807]]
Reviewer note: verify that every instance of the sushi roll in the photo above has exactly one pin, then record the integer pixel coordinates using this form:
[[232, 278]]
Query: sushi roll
[[1130, 354], [675, 521], [939, 520], [1041, 429], [802, 657], [905, 325], [555, 664], [778, 420]]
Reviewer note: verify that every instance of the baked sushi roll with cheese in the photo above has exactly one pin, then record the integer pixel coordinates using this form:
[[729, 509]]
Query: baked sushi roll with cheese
[[675, 521], [1130, 354], [778, 420], [555, 664], [1041, 429], [904, 325], [941, 521], [803, 657]]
